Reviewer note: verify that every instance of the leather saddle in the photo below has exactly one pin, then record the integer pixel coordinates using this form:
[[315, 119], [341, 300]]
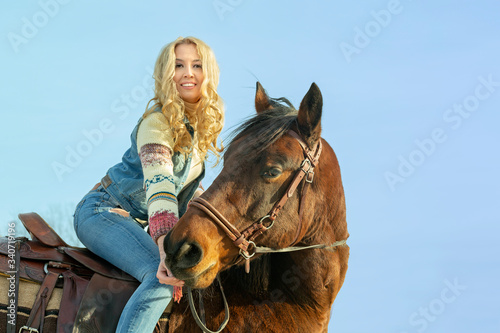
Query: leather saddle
[[94, 291]]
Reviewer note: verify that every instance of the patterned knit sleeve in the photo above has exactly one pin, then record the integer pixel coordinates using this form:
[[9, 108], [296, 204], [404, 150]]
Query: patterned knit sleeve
[[154, 144]]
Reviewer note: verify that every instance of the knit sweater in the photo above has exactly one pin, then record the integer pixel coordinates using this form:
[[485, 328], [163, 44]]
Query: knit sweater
[[155, 146]]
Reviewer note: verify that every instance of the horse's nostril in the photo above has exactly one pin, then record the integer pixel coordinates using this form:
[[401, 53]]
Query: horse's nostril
[[188, 255]]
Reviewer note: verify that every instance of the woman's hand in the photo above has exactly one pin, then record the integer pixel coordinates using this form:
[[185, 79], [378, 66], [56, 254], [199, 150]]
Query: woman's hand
[[163, 274]]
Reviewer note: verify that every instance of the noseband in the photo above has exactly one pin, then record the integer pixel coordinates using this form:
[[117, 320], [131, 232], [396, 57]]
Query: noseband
[[245, 240]]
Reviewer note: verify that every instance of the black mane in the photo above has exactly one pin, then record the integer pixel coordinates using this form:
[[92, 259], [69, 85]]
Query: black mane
[[265, 128]]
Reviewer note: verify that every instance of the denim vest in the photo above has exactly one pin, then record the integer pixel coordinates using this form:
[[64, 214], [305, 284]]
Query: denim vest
[[127, 178]]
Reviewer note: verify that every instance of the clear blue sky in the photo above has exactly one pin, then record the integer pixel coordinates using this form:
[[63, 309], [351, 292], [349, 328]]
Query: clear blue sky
[[411, 106]]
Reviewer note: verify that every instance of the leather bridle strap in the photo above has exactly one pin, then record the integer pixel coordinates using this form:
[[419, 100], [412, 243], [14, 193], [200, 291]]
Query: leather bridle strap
[[306, 168], [312, 154], [236, 237]]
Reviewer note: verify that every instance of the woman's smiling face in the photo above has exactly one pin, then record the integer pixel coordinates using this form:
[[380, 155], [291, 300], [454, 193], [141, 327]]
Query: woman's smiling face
[[188, 75]]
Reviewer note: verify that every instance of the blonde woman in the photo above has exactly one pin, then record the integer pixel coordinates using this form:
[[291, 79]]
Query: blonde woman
[[157, 177]]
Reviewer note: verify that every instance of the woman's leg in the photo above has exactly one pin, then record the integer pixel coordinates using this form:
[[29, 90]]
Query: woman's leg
[[122, 242]]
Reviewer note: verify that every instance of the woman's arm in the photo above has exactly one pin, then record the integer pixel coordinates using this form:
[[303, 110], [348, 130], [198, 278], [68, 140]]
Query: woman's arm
[[154, 144]]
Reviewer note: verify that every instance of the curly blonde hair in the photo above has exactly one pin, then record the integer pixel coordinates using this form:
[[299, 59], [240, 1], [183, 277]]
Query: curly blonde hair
[[206, 124]]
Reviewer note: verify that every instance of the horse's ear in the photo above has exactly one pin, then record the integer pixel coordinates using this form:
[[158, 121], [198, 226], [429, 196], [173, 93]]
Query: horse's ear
[[309, 117], [261, 99]]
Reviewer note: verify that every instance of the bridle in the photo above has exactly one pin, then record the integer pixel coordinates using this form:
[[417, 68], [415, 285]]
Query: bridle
[[245, 240]]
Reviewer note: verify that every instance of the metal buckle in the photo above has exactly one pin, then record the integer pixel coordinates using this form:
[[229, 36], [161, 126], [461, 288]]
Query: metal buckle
[[303, 163], [245, 254], [265, 217], [310, 176], [29, 329], [46, 271]]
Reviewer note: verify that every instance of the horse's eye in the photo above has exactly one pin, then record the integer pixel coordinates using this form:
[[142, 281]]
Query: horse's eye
[[271, 173]]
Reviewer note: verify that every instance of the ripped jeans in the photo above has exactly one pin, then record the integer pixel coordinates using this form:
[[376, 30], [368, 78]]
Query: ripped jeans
[[124, 243]]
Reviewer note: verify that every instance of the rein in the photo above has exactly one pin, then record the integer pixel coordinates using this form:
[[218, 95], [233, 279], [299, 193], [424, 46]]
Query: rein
[[245, 240]]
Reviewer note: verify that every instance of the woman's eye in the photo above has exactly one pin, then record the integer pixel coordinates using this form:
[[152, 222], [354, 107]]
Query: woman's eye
[[271, 173], [178, 65], [197, 66]]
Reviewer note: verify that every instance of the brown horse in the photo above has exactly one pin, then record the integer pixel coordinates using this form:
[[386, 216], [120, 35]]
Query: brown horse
[[283, 292]]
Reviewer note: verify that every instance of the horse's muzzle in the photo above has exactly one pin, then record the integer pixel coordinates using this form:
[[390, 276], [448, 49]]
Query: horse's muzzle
[[181, 256]]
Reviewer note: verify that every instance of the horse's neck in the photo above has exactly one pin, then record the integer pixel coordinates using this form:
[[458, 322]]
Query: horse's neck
[[322, 271], [305, 277]]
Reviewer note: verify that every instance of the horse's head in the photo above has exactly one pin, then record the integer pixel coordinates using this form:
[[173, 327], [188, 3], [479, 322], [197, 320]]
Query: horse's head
[[259, 165]]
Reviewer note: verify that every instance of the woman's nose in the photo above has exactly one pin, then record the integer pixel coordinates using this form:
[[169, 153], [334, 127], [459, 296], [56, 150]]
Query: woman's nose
[[188, 72]]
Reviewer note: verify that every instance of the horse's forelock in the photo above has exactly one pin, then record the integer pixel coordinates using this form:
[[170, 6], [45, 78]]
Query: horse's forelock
[[262, 130]]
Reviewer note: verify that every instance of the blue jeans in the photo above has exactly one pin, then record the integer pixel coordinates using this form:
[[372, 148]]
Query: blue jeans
[[124, 243]]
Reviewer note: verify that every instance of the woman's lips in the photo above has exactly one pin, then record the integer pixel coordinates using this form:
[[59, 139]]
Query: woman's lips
[[188, 85]]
